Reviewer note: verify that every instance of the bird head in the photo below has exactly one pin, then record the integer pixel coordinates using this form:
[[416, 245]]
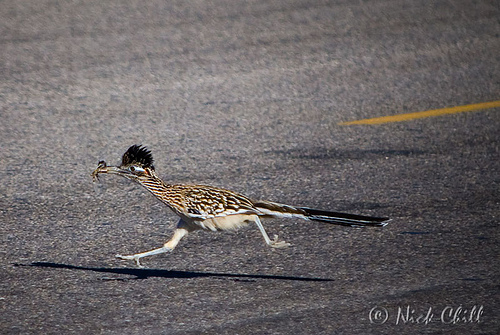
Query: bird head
[[137, 163]]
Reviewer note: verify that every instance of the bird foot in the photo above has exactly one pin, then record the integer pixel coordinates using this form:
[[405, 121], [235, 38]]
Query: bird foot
[[134, 258], [278, 244]]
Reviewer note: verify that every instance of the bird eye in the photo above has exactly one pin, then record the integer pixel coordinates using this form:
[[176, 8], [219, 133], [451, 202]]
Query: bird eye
[[135, 169]]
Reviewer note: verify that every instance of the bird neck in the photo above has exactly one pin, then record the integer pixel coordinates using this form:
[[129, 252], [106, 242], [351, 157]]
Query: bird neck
[[166, 193], [152, 183]]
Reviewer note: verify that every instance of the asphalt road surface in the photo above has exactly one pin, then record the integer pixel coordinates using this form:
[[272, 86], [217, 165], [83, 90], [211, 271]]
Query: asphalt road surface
[[248, 95]]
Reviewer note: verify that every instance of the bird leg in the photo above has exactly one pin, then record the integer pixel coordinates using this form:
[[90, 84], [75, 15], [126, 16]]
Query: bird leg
[[136, 257], [274, 242], [169, 246]]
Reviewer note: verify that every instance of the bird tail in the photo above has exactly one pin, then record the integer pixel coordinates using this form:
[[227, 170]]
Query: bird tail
[[268, 208]]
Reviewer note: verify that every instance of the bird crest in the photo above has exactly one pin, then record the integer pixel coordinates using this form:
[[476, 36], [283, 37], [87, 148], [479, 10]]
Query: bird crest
[[138, 154]]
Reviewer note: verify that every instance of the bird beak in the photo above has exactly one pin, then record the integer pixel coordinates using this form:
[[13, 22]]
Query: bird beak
[[103, 168]]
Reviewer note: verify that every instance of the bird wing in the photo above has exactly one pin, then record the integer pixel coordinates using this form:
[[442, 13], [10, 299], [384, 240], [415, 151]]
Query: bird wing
[[204, 202]]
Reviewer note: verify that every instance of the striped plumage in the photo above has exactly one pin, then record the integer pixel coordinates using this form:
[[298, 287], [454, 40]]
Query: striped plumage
[[213, 208]]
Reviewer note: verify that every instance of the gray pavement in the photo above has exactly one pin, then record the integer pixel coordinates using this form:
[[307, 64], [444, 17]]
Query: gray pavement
[[248, 96]]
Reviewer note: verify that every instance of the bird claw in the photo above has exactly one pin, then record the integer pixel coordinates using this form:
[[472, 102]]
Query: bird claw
[[281, 244], [134, 258]]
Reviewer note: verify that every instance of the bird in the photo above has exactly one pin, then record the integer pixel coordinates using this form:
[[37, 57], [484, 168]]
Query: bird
[[213, 208]]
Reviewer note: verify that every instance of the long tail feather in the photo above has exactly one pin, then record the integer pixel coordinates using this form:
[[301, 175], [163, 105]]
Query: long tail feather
[[269, 208], [344, 219]]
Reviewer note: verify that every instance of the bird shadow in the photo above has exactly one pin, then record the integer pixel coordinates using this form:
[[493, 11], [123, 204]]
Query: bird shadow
[[148, 273]]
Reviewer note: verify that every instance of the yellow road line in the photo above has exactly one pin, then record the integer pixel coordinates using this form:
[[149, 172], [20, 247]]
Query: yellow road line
[[419, 115]]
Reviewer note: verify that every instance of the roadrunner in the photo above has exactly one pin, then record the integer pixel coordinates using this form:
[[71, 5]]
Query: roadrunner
[[212, 208]]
